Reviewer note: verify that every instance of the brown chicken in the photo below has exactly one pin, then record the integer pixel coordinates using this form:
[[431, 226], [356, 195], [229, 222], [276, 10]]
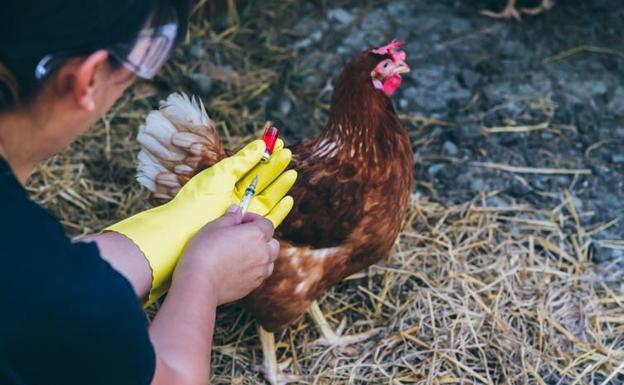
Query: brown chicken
[[510, 11], [350, 197]]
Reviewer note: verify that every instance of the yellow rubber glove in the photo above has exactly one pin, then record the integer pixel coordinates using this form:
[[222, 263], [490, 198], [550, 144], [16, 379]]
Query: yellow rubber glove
[[163, 232]]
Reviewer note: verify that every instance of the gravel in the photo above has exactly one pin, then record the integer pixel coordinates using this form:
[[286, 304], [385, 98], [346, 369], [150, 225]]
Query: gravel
[[471, 72]]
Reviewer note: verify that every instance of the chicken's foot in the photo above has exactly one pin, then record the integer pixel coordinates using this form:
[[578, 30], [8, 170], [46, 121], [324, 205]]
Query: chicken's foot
[[543, 7], [329, 337], [271, 369], [510, 11]]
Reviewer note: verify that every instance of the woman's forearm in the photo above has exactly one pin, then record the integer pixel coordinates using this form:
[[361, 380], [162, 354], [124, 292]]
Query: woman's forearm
[[126, 258], [182, 333], [182, 330]]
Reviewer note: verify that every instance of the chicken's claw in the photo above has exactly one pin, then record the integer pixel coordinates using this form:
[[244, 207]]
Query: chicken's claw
[[546, 5], [332, 338], [271, 369], [510, 12], [337, 340]]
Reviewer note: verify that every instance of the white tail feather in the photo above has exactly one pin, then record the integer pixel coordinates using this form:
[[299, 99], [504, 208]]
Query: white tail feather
[[168, 179], [171, 140], [187, 139], [179, 108], [146, 182], [149, 167], [154, 146], [183, 169], [157, 125]]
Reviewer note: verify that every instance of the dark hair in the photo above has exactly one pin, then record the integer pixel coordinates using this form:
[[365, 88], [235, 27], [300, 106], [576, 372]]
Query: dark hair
[[32, 29]]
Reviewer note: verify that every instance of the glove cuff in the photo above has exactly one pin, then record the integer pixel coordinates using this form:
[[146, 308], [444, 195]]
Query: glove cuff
[[161, 254]]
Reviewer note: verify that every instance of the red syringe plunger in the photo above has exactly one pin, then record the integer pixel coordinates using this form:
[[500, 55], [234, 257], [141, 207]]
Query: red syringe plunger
[[270, 138]]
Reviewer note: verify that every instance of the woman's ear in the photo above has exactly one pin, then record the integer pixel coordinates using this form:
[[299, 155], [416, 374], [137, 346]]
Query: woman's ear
[[86, 75], [77, 79]]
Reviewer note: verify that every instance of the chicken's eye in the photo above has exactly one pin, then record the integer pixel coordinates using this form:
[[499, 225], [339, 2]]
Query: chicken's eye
[[385, 65]]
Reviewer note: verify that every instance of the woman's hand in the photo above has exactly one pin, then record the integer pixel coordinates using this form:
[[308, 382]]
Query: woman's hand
[[232, 255], [225, 260], [163, 233]]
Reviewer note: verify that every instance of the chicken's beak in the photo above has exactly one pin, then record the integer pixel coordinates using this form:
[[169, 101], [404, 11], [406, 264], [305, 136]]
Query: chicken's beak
[[402, 68]]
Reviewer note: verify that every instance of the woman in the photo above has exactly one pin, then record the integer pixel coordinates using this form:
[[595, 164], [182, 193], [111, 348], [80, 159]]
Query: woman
[[71, 312]]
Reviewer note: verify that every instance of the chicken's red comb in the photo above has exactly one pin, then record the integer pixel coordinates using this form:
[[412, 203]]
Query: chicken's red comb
[[392, 49]]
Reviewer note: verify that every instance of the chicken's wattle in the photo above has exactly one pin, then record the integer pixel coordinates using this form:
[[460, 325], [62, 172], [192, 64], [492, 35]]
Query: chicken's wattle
[[390, 85]]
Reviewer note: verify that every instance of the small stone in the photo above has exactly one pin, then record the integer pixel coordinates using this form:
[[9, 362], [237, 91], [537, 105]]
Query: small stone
[[313, 37], [547, 135], [398, 9], [477, 184], [435, 169], [577, 202], [355, 39], [510, 48], [616, 105], [285, 106], [341, 16], [197, 49], [540, 183], [378, 20], [496, 201], [470, 131], [201, 83], [458, 25], [305, 26], [561, 181], [618, 158], [303, 43], [436, 132], [450, 148], [496, 92], [316, 36], [596, 87], [264, 101], [410, 93], [583, 91], [469, 79]]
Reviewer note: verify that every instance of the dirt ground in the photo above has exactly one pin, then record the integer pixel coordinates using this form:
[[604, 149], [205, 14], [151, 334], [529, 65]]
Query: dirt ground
[[489, 104], [471, 76], [517, 130]]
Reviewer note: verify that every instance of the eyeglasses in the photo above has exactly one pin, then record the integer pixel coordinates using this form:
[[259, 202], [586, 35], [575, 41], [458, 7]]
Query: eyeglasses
[[144, 56]]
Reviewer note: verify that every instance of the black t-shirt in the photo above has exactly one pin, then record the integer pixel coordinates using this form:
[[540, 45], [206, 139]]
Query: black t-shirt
[[66, 316]]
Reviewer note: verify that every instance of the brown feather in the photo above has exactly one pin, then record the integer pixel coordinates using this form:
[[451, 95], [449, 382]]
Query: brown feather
[[350, 198]]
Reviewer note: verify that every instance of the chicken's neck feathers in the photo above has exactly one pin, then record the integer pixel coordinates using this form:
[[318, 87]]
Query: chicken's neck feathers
[[362, 126]]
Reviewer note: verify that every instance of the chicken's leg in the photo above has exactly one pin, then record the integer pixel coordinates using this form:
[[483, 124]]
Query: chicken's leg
[[271, 370], [543, 7], [329, 337], [509, 12]]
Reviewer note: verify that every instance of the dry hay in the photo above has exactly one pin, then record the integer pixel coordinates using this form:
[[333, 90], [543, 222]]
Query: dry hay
[[471, 294]]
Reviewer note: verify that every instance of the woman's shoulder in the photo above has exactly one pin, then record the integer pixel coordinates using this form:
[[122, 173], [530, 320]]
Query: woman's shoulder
[[21, 217], [66, 305], [42, 267], [38, 258], [32, 238]]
